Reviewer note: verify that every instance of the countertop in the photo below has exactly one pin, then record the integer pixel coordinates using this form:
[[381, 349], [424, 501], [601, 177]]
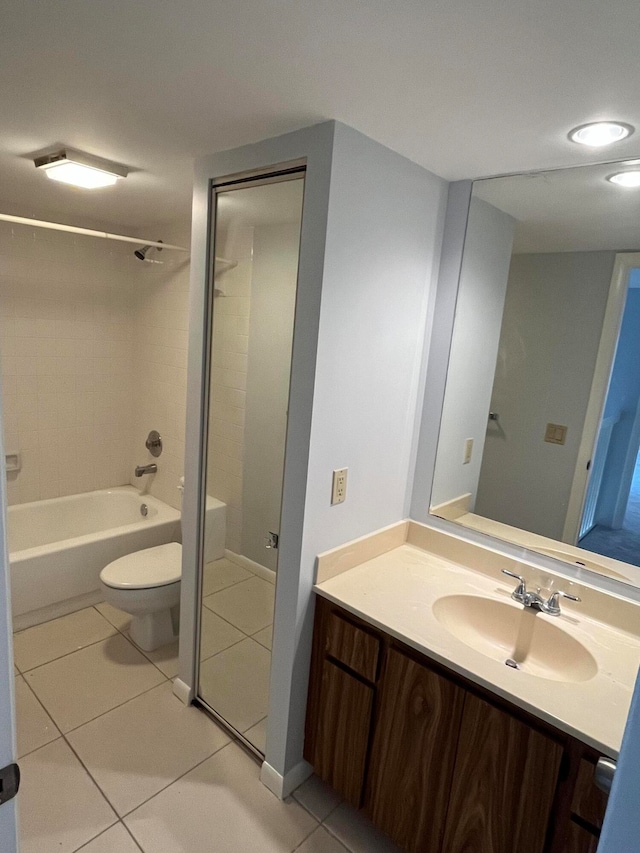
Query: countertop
[[396, 591]]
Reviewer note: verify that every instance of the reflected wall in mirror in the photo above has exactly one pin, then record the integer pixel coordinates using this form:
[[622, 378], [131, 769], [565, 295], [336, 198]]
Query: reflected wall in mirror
[[256, 241], [540, 427]]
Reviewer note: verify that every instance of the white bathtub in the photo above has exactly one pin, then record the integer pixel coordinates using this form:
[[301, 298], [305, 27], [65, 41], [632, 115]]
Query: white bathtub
[[58, 547]]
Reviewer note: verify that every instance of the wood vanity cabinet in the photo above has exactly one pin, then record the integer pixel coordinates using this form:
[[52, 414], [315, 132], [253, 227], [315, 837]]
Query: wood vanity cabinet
[[438, 764]]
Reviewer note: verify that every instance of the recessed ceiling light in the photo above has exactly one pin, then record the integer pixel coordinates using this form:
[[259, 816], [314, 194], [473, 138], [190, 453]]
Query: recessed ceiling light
[[626, 179], [79, 169], [600, 133]]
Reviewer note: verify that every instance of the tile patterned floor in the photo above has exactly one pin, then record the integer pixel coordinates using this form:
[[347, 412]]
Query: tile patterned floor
[[112, 762], [234, 679]]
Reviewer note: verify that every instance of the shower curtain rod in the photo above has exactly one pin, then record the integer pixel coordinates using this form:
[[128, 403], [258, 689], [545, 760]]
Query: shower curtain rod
[[88, 232]]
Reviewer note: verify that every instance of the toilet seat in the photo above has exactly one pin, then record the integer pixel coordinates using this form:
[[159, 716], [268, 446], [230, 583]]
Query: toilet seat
[[146, 569]]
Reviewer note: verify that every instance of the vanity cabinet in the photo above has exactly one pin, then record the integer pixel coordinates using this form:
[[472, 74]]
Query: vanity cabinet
[[439, 764]]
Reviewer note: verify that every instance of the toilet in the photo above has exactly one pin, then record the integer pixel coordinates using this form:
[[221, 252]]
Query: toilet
[[146, 583]]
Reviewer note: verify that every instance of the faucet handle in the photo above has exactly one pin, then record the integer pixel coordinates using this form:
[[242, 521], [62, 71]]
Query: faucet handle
[[553, 607], [521, 590]]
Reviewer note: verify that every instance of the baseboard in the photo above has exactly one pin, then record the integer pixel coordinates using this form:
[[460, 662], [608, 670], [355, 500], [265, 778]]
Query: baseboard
[[183, 691], [283, 786], [54, 611], [261, 571]]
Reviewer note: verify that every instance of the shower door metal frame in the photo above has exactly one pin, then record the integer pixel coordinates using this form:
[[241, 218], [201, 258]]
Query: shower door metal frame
[[288, 172]]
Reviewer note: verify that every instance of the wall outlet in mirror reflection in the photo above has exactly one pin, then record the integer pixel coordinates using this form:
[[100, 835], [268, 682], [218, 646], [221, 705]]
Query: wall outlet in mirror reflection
[[555, 434]]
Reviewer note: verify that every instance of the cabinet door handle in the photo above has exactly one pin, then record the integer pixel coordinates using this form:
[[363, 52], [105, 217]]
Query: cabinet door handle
[[605, 769]]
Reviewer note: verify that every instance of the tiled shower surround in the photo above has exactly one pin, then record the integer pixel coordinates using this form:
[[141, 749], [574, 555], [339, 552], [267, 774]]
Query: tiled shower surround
[[93, 350]]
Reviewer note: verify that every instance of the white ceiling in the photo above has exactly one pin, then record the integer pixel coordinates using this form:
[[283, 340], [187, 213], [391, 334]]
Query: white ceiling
[[464, 87], [570, 210]]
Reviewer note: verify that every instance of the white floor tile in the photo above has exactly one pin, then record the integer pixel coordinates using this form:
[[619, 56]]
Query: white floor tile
[[221, 806], [118, 618], [321, 841], [247, 605], [216, 634], [317, 797], [165, 658], [357, 833], [137, 749], [264, 637], [114, 840], [257, 735], [35, 726], [85, 684], [221, 574], [235, 683], [60, 807], [44, 643]]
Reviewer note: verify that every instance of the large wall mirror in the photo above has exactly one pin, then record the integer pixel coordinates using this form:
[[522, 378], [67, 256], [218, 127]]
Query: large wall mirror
[[540, 429]]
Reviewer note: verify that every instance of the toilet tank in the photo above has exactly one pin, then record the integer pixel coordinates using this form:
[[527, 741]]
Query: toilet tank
[[215, 529]]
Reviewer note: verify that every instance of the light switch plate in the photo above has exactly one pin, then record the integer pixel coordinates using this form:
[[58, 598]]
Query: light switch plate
[[339, 486]]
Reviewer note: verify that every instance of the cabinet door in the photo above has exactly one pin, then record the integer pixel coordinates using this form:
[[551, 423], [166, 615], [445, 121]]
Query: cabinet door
[[503, 784], [413, 753], [342, 732], [579, 840]]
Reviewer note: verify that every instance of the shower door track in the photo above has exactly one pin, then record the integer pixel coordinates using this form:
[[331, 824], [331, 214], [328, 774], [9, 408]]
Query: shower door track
[[235, 734]]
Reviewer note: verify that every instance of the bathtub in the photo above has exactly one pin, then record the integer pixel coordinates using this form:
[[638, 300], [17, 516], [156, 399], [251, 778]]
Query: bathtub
[[58, 547]]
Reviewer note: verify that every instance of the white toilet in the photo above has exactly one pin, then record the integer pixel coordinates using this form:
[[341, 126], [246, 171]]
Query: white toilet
[[146, 583]]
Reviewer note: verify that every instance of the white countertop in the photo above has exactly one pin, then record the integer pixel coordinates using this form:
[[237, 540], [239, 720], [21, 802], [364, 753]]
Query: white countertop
[[396, 591]]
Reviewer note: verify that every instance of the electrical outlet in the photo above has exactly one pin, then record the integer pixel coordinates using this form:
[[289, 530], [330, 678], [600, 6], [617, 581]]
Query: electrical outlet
[[468, 450], [339, 486]]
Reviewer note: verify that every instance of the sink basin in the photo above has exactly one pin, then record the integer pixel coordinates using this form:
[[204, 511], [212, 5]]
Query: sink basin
[[529, 640]]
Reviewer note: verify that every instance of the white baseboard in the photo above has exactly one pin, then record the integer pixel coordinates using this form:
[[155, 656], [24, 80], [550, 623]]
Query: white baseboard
[[182, 691], [283, 786], [261, 571], [54, 611]]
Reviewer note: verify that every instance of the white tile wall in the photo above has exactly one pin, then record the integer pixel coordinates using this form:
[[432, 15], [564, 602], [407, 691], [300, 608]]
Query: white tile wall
[[161, 324], [65, 348], [93, 349], [229, 382]]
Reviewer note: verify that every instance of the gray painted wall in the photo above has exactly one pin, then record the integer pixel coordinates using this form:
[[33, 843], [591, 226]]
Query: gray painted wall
[[548, 347], [273, 299], [474, 348], [383, 241]]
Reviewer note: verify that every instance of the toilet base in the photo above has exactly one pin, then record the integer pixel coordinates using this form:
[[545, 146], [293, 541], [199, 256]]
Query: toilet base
[[150, 631]]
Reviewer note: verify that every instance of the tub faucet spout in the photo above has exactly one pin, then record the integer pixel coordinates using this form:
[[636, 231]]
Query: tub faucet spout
[[146, 469]]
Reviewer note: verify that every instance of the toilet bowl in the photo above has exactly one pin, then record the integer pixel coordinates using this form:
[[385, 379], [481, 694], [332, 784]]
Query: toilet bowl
[[146, 584]]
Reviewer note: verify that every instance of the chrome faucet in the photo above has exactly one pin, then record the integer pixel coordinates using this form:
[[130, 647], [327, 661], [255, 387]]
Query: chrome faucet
[[534, 600], [146, 469]]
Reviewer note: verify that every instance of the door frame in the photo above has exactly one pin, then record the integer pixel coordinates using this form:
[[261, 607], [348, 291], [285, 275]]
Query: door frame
[[9, 841], [624, 263]]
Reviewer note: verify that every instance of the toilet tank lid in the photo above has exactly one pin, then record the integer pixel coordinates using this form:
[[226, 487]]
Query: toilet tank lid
[[145, 569]]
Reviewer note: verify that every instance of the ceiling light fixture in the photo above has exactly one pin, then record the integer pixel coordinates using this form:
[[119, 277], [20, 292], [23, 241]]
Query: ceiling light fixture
[[79, 169], [626, 179], [600, 133]]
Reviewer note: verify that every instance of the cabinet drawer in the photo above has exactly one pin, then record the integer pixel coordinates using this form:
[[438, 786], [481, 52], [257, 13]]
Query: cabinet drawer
[[354, 647], [589, 802]]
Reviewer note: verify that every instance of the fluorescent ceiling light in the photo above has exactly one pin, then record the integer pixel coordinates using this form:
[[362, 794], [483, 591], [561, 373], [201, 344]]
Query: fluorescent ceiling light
[[600, 133], [626, 179], [79, 169]]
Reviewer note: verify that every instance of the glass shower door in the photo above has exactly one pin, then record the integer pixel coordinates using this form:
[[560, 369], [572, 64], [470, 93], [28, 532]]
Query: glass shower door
[[256, 242]]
